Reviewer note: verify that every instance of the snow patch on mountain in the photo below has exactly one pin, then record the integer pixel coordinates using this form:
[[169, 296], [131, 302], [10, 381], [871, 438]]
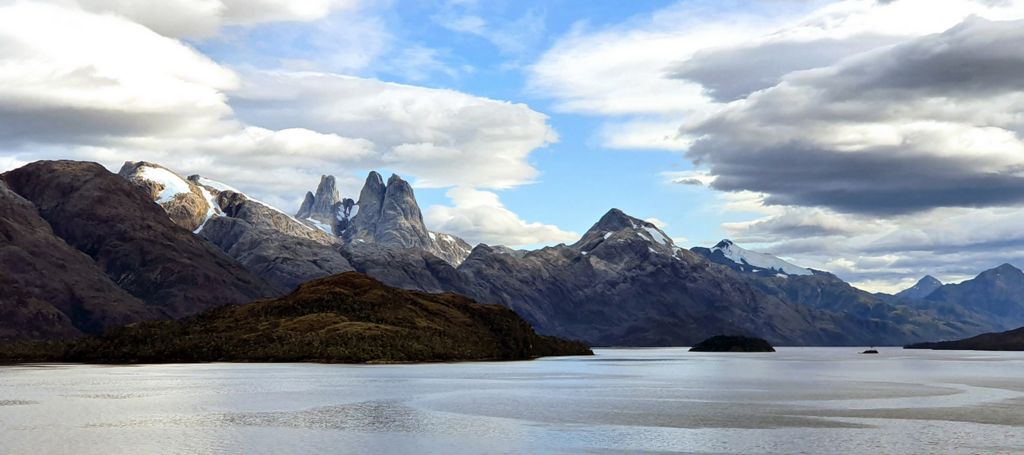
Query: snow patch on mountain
[[171, 183], [322, 226], [759, 260], [217, 185], [224, 187], [212, 209], [657, 236]]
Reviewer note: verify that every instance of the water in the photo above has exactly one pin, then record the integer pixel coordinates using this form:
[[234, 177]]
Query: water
[[798, 400]]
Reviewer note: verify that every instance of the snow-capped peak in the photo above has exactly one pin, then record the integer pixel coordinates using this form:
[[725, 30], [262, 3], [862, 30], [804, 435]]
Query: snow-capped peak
[[759, 260]]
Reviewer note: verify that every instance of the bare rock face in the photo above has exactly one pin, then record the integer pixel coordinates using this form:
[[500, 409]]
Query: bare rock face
[[325, 210], [306, 209], [271, 244], [406, 268], [132, 240], [325, 198], [186, 203], [238, 205], [286, 261], [388, 215], [452, 249], [49, 289]]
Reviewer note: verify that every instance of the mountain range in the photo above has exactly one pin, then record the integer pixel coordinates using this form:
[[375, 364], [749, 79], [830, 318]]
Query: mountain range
[[86, 249]]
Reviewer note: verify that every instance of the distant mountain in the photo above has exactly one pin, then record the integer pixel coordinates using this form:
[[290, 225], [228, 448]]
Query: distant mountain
[[1012, 340], [733, 256], [888, 320], [132, 240], [625, 283], [342, 318], [924, 287], [997, 294]]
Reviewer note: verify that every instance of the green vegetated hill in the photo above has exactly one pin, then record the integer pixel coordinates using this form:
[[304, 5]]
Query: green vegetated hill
[[342, 318]]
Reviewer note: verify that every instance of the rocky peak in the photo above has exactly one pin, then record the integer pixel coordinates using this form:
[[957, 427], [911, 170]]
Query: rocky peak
[[616, 220], [921, 289], [1005, 271], [323, 209], [306, 209], [388, 215], [326, 196], [618, 237]]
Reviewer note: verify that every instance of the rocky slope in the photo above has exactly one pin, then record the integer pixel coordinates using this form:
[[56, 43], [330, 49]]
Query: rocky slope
[[49, 289], [343, 318], [626, 283], [268, 242], [890, 320], [1012, 340], [132, 240], [923, 288], [996, 294]]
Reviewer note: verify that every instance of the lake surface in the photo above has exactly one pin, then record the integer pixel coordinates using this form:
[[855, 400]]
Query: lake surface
[[798, 400]]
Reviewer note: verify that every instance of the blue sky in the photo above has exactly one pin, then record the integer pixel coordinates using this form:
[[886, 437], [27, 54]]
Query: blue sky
[[879, 140]]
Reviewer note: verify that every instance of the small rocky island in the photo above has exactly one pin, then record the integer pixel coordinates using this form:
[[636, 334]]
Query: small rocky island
[[345, 318], [1012, 340], [723, 343]]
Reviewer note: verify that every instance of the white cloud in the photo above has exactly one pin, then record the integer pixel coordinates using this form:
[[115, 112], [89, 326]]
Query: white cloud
[[442, 137], [66, 74], [480, 217], [205, 18]]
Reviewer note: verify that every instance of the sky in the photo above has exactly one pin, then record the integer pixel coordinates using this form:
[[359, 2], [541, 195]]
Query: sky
[[879, 140]]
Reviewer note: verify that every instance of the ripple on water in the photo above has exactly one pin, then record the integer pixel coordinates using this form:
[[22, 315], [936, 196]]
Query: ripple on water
[[17, 402]]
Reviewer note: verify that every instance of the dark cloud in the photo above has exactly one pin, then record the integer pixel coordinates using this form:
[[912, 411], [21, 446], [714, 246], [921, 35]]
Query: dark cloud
[[881, 181], [978, 57], [901, 129], [734, 73]]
